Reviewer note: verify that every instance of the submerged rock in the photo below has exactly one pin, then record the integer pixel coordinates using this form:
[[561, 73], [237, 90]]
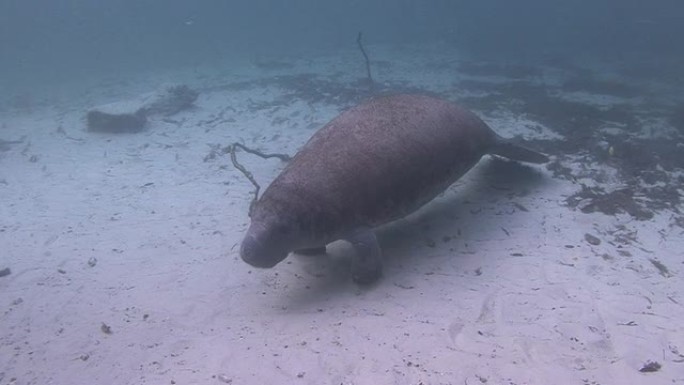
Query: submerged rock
[[111, 119], [130, 116], [170, 100]]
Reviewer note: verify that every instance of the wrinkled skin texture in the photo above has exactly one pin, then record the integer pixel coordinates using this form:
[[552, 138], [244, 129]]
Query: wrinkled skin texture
[[373, 164]]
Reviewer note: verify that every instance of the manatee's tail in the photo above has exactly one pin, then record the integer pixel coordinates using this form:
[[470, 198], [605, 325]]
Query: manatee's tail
[[505, 148]]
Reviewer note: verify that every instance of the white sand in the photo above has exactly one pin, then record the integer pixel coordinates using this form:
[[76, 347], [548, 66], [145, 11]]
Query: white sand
[[476, 290]]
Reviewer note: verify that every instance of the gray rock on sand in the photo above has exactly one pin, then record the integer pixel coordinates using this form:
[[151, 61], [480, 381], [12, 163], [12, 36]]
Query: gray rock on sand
[[131, 115], [119, 117]]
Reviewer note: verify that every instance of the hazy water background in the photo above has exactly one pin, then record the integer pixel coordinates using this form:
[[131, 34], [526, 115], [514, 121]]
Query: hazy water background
[[620, 139], [48, 40]]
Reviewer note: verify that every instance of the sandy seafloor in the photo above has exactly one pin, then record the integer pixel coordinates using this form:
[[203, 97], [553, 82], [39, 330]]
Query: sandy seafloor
[[495, 282]]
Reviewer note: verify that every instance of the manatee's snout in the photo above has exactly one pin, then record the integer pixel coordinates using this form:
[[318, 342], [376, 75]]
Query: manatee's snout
[[259, 253]]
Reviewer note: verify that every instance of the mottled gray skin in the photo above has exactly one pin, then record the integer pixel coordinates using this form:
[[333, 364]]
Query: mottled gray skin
[[373, 164]]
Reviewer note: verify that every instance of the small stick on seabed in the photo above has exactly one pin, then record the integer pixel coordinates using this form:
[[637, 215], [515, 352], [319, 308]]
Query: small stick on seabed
[[233, 158], [365, 56], [283, 157]]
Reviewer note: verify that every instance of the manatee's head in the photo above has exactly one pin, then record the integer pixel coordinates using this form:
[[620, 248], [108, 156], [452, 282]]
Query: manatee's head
[[268, 242]]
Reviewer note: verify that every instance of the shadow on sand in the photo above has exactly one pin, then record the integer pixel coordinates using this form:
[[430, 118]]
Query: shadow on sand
[[472, 204]]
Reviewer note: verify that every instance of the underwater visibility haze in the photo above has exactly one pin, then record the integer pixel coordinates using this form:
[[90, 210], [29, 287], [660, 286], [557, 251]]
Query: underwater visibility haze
[[137, 136]]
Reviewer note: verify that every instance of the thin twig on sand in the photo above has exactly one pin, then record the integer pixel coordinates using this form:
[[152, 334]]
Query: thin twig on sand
[[365, 56], [283, 157], [233, 157]]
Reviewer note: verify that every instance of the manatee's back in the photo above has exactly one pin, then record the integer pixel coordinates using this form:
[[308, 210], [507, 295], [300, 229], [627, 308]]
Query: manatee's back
[[382, 159]]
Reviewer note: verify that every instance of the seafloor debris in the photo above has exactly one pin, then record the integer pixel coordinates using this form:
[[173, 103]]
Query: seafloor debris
[[5, 272], [170, 100], [231, 149], [664, 271], [114, 119], [131, 115], [650, 366], [106, 329], [590, 200], [592, 240]]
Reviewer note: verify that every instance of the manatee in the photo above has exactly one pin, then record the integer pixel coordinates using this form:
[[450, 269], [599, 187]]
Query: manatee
[[371, 165]]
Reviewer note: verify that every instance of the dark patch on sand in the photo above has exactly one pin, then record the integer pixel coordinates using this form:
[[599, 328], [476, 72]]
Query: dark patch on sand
[[645, 165], [589, 200]]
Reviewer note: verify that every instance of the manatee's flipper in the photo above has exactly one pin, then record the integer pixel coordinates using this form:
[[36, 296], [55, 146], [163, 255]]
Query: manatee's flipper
[[311, 251], [507, 149], [366, 264]]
